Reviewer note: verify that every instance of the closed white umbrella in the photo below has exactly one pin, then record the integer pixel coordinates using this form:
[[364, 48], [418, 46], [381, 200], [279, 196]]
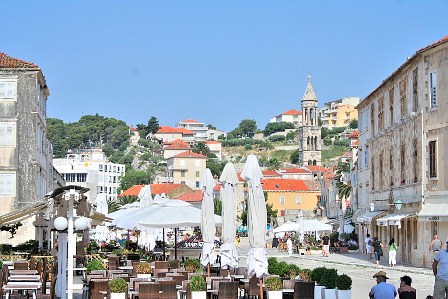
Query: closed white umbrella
[[256, 219], [228, 179], [144, 196], [208, 228], [301, 226]]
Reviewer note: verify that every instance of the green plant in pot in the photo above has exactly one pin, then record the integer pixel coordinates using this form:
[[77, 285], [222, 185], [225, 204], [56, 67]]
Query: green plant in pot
[[192, 265], [305, 275], [94, 265], [344, 285], [317, 274], [198, 287], [143, 268], [329, 281], [274, 287], [118, 287], [293, 271]]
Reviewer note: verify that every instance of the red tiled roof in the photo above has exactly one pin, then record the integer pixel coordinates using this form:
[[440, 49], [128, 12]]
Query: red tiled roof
[[212, 142], [133, 129], [353, 134], [170, 130], [189, 121], [217, 187], [347, 154], [315, 168], [270, 173], [294, 170], [194, 196], [283, 185], [292, 112], [177, 144], [189, 154], [440, 41], [155, 189], [9, 62]]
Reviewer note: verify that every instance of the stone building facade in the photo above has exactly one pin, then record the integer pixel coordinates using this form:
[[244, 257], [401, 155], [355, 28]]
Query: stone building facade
[[309, 133], [26, 171], [402, 176]]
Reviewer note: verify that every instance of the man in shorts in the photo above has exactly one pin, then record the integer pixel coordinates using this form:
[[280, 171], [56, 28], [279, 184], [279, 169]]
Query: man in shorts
[[369, 249], [325, 245]]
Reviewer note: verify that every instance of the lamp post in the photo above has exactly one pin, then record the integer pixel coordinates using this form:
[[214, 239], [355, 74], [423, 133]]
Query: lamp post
[[372, 207], [398, 203]]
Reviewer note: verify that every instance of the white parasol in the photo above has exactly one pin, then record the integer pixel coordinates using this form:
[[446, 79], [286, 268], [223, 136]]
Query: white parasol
[[256, 218], [208, 228], [228, 179], [301, 226], [144, 196]]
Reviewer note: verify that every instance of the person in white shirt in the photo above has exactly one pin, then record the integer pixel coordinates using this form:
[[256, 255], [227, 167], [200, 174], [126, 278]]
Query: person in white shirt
[[368, 242], [289, 245]]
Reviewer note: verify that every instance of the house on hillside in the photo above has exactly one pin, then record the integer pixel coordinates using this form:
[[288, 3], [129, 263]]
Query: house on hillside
[[175, 147], [169, 134], [296, 173], [291, 116], [186, 168], [339, 113], [134, 136], [215, 147]]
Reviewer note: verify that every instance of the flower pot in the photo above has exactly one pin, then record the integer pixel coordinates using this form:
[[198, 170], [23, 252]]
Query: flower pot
[[199, 295], [305, 289], [148, 276], [118, 295], [329, 294], [318, 292], [344, 294], [275, 294]]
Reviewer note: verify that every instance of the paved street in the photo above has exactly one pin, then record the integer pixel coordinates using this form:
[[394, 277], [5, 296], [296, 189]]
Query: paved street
[[357, 267]]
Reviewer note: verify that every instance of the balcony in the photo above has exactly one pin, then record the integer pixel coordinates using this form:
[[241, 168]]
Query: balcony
[[164, 179]]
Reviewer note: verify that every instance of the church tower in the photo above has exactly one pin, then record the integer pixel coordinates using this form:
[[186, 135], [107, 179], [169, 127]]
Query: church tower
[[309, 132]]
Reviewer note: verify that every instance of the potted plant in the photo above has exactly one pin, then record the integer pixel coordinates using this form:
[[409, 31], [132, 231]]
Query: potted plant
[[304, 287], [118, 287], [191, 265], [316, 277], [274, 287], [344, 285], [94, 265], [143, 270], [198, 287], [329, 281]]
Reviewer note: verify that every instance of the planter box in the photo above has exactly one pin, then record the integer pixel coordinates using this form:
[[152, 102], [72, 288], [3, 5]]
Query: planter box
[[318, 292], [117, 295], [329, 294], [344, 294], [275, 294], [304, 289], [199, 295]]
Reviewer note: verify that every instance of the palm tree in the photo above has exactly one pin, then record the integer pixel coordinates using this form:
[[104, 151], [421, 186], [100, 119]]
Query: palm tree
[[344, 190], [114, 205]]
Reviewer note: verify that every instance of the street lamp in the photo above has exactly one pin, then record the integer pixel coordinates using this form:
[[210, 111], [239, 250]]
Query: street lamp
[[398, 203], [372, 207]]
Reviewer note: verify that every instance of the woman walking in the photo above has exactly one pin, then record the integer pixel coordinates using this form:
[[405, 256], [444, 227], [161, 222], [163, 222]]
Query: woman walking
[[392, 253], [377, 250]]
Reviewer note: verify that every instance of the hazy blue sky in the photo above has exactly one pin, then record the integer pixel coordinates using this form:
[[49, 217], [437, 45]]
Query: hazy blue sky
[[215, 61]]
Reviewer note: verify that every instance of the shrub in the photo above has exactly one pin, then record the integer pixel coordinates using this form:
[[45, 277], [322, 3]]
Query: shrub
[[143, 268], [305, 275], [329, 278], [272, 263], [281, 269], [293, 271], [273, 283], [94, 265], [192, 265], [344, 282], [317, 274], [118, 285], [276, 138], [1, 264], [198, 284]]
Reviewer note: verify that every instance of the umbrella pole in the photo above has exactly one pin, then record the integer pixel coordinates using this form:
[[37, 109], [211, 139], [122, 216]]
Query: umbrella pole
[[163, 244], [208, 269], [175, 243], [261, 288]]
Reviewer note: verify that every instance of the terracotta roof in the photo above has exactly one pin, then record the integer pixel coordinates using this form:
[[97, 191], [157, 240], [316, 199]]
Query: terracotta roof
[[294, 170], [170, 130], [133, 129], [315, 168], [270, 173], [212, 142], [177, 145], [283, 185], [155, 189], [9, 62], [353, 134], [217, 187], [189, 154], [292, 112], [193, 196], [440, 41], [189, 121], [347, 154]]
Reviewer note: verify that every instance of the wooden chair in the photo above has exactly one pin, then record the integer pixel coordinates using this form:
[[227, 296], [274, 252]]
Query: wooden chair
[[161, 264], [103, 273], [113, 262], [288, 284], [96, 286], [168, 289], [52, 294], [252, 289], [148, 290], [241, 271], [175, 264], [228, 290], [20, 265]]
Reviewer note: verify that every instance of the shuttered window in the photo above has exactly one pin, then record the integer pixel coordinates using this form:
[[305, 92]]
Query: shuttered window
[[433, 89], [7, 183], [7, 134], [7, 89]]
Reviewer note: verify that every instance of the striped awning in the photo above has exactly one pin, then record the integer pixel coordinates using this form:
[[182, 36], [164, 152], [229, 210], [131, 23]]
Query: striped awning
[[393, 219], [23, 213]]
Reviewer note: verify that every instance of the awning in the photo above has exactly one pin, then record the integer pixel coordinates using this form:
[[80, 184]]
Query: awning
[[20, 214], [434, 212], [393, 219], [367, 217]]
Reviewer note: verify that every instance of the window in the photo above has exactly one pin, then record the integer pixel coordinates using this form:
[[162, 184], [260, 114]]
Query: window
[[415, 160], [197, 173], [380, 175], [282, 200], [403, 99], [182, 182], [380, 114], [432, 159], [391, 105], [298, 200], [366, 156], [7, 134], [433, 89], [391, 166], [182, 173], [197, 184], [7, 183], [7, 89], [372, 118], [403, 163], [415, 90], [372, 174], [100, 167]]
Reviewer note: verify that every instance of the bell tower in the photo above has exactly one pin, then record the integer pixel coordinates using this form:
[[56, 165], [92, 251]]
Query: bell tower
[[309, 133]]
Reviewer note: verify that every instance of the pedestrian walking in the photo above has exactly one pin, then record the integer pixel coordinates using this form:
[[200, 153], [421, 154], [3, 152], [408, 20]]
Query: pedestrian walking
[[382, 289], [289, 246], [325, 245], [440, 270], [368, 242], [392, 253], [377, 250], [435, 246], [405, 291]]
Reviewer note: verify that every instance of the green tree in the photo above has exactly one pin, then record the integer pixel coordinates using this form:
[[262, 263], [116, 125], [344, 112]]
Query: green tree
[[134, 177], [353, 124], [153, 125], [217, 204], [248, 127], [201, 148], [114, 205], [277, 127], [344, 190], [270, 212], [295, 157], [211, 127], [273, 164]]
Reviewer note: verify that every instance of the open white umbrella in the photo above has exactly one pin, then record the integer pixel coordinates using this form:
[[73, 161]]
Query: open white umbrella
[[301, 226], [144, 196], [228, 179], [208, 229], [287, 227], [256, 220]]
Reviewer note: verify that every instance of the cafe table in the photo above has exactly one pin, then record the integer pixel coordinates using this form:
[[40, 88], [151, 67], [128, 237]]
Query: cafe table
[[23, 272], [10, 287], [22, 278]]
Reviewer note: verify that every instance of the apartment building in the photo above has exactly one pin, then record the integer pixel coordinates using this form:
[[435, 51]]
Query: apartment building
[[168, 134], [187, 168], [403, 133], [291, 116], [198, 128], [26, 171], [339, 113], [91, 169]]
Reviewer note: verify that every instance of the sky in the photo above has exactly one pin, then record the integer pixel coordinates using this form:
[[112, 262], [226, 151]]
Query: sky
[[218, 62]]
